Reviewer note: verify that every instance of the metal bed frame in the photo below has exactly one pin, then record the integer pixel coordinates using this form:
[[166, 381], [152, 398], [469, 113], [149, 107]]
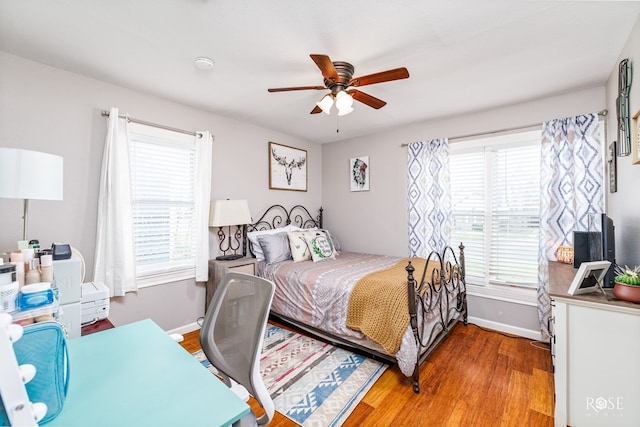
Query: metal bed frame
[[425, 294]]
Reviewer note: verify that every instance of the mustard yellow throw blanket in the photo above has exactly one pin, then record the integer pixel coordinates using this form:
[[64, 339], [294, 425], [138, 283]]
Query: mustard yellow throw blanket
[[378, 306]]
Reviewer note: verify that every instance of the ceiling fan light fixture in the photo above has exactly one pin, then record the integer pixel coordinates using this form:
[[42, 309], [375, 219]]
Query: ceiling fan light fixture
[[338, 78], [325, 103], [345, 111], [344, 100]]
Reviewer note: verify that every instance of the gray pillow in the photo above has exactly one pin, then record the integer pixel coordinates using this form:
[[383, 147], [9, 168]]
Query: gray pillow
[[275, 247]]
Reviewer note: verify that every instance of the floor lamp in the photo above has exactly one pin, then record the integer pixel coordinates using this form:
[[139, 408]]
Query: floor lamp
[[26, 174]]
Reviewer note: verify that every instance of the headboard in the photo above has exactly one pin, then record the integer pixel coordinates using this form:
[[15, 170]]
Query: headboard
[[277, 216]]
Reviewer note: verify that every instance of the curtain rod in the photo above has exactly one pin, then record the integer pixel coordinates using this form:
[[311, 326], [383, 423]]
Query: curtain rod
[[470, 135], [105, 113]]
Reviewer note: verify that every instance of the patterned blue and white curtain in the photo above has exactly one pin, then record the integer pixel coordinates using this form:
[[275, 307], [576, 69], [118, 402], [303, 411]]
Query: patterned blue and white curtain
[[571, 178], [429, 197]]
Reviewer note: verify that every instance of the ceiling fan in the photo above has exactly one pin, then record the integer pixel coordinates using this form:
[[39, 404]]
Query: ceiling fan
[[338, 78]]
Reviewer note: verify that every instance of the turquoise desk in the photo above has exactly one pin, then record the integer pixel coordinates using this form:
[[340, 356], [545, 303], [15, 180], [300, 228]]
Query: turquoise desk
[[136, 375]]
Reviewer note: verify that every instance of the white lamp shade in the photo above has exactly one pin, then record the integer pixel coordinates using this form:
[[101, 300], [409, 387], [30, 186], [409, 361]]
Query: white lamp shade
[[229, 212], [26, 174], [344, 101], [325, 103], [345, 111]]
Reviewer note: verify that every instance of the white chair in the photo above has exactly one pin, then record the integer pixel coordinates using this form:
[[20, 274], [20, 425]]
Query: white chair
[[13, 377], [232, 334]]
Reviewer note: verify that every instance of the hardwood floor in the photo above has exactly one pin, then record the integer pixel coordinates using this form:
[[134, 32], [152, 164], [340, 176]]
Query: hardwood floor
[[474, 378]]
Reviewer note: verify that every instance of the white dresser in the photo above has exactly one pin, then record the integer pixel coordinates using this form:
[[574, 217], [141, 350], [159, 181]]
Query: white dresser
[[596, 355]]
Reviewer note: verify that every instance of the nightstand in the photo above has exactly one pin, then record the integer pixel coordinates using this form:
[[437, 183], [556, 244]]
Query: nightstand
[[218, 268]]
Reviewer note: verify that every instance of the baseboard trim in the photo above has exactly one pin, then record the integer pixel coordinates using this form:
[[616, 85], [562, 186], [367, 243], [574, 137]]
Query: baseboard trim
[[496, 326], [507, 329], [184, 329]]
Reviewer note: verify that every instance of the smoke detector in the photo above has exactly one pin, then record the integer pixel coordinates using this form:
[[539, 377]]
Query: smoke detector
[[204, 63]]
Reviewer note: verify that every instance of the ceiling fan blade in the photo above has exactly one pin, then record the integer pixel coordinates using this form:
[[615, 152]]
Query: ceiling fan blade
[[285, 89], [316, 110], [371, 101], [326, 66], [383, 76]]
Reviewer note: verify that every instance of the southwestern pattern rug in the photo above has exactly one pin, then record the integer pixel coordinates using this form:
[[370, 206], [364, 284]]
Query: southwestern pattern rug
[[311, 382]]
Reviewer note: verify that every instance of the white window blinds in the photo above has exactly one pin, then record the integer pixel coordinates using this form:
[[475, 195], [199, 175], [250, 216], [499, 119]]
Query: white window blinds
[[514, 216], [495, 187], [163, 176], [468, 207]]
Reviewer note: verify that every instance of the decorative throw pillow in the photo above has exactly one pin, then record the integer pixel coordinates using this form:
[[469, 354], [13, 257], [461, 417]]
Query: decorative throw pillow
[[334, 240], [320, 246], [298, 245], [275, 247]]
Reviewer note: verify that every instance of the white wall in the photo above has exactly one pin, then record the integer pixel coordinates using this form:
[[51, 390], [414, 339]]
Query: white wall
[[624, 205], [46, 109], [376, 221]]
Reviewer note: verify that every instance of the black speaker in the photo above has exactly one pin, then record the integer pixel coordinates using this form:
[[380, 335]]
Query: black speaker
[[587, 246]]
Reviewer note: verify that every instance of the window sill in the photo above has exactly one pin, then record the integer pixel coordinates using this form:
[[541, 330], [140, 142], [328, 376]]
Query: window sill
[[513, 294], [164, 278]]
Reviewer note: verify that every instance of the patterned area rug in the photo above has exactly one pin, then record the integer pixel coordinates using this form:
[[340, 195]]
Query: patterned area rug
[[311, 382]]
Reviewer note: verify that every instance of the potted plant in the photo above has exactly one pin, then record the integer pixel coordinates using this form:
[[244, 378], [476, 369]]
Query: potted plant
[[627, 286]]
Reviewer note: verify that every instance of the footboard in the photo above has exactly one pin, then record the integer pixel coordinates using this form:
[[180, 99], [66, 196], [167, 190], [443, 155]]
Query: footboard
[[440, 292]]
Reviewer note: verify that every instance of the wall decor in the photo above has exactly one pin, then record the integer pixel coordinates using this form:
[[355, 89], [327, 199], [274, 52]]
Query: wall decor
[[635, 138], [613, 168], [359, 173], [622, 107], [287, 168]]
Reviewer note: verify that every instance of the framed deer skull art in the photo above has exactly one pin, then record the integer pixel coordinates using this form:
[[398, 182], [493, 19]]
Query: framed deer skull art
[[287, 168]]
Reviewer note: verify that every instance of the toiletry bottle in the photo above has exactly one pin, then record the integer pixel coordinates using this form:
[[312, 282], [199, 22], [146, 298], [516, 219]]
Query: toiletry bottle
[[46, 268], [17, 259], [33, 275]]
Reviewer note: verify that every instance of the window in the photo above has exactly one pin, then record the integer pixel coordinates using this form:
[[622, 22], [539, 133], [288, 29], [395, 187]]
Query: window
[[495, 191], [163, 177]]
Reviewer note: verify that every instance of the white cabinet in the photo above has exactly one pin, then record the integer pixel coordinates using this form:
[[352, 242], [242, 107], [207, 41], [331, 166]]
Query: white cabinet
[[596, 351], [67, 277]]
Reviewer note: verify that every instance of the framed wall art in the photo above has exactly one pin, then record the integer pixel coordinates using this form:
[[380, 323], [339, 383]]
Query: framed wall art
[[359, 173], [287, 168], [635, 138]]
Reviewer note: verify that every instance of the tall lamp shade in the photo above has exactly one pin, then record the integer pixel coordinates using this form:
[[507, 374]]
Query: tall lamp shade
[[26, 174], [229, 212]]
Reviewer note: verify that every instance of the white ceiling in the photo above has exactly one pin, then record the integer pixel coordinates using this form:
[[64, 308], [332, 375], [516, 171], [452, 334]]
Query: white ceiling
[[462, 55]]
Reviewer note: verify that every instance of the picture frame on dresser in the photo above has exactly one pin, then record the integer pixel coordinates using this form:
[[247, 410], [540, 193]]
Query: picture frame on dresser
[[589, 277], [287, 168]]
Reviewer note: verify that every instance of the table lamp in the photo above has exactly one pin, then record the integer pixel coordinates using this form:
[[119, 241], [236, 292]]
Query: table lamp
[[26, 174], [230, 213]]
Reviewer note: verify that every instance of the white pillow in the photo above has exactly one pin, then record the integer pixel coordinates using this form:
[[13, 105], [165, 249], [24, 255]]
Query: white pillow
[[334, 240], [255, 244], [299, 249], [320, 246]]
